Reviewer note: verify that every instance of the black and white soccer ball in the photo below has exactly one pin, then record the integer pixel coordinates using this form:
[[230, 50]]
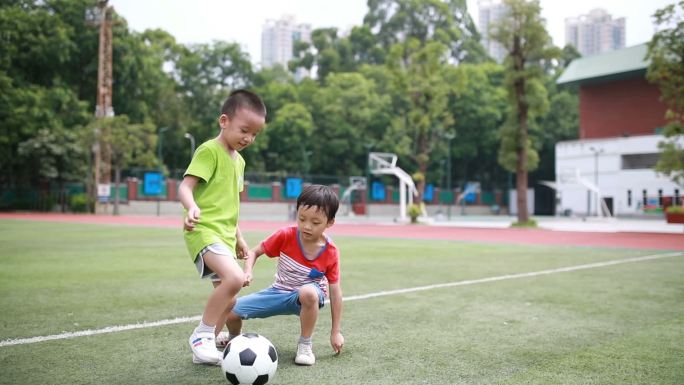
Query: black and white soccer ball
[[249, 358]]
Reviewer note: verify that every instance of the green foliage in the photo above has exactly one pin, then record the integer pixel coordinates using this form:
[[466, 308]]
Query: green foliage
[[528, 45], [348, 107], [292, 123], [390, 85], [675, 210], [446, 22], [414, 211], [478, 101], [666, 70], [530, 223], [417, 78], [81, 203]]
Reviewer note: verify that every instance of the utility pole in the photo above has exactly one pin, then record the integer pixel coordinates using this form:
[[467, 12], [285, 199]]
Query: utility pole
[[449, 136], [596, 152], [102, 151]]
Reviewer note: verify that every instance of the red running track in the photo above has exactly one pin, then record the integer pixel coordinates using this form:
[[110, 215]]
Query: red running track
[[632, 240]]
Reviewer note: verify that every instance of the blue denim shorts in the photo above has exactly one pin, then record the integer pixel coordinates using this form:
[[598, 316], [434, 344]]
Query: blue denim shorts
[[269, 302]]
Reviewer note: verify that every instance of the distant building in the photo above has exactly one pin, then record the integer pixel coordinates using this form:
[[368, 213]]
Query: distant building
[[490, 11], [278, 38], [596, 32], [610, 167]]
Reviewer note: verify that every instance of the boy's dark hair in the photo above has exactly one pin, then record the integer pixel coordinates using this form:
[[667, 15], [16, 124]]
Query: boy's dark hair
[[320, 196], [243, 99]]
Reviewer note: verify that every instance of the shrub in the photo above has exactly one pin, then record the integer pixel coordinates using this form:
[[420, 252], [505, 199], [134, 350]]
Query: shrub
[[675, 210], [414, 212], [80, 203], [528, 223]]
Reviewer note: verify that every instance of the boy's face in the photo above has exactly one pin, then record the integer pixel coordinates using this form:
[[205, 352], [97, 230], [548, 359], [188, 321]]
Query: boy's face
[[240, 131], [312, 222]]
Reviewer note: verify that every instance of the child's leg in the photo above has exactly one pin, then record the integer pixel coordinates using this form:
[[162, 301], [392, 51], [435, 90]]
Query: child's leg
[[224, 316], [234, 323], [308, 298], [225, 267], [222, 298]]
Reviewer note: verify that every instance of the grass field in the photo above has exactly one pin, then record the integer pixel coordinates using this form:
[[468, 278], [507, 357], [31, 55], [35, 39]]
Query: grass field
[[616, 324]]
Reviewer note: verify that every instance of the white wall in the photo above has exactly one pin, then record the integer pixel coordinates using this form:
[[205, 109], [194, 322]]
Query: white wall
[[613, 181]]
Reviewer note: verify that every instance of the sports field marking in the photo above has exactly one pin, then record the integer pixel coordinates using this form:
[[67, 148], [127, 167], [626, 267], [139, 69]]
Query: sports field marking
[[143, 325]]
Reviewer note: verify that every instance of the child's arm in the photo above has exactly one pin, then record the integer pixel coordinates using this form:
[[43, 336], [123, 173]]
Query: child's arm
[[252, 256], [241, 247], [188, 201], [336, 338]]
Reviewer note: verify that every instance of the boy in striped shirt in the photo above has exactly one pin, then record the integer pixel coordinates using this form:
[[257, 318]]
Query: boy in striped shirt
[[308, 272]]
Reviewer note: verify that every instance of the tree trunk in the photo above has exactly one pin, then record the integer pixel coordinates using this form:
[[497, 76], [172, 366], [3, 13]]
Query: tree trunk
[[521, 165], [521, 148]]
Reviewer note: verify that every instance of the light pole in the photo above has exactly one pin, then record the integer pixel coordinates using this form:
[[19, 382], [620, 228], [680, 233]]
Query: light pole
[[192, 143], [449, 136], [596, 152], [368, 146], [161, 162]]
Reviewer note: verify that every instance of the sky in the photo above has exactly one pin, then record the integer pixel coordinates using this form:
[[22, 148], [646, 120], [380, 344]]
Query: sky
[[202, 21]]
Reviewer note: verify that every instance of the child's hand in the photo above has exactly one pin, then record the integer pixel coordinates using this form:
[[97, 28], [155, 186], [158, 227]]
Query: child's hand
[[241, 249], [337, 341], [248, 279], [192, 218]]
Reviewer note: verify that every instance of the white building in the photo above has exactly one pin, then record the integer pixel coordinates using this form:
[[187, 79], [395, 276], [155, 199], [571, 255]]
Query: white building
[[621, 116], [278, 38], [622, 171], [490, 11], [595, 32]]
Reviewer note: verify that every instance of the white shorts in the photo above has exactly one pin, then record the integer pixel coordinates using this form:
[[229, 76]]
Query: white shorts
[[216, 248]]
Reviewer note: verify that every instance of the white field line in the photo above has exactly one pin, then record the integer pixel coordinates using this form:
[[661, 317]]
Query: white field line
[[179, 320]]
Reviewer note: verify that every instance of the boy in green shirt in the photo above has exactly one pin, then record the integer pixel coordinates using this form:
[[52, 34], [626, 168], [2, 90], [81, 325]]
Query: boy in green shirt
[[210, 194]]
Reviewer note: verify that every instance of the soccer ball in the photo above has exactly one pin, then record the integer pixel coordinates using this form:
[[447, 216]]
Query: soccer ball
[[249, 358]]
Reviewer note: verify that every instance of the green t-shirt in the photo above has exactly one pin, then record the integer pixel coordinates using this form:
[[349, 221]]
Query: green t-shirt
[[217, 194]]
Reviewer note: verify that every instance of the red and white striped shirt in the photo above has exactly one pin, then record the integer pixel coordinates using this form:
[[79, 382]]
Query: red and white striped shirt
[[294, 270]]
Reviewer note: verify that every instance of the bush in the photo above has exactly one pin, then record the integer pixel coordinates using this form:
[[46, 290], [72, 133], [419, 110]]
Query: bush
[[414, 212], [675, 210], [530, 223], [80, 203]]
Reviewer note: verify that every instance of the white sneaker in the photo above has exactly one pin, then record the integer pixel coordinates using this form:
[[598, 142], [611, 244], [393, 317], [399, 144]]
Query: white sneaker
[[305, 355], [222, 340], [204, 349]]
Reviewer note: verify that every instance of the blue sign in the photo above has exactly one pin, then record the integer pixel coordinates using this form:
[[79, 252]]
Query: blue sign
[[153, 182], [377, 191], [471, 192], [293, 187], [428, 195]]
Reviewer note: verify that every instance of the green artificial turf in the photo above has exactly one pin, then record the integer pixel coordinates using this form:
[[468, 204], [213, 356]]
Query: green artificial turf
[[620, 324]]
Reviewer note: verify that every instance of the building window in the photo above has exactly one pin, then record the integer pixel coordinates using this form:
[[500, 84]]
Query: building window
[[639, 161], [660, 197], [644, 199], [676, 197], [629, 198]]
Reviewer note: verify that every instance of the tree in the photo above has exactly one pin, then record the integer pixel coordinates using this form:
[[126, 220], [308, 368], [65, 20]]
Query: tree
[[56, 155], [36, 101], [447, 22], [327, 52], [130, 144], [348, 114], [523, 35], [423, 118], [477, 99], [289, 135], [206, 74], [666, 70]]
